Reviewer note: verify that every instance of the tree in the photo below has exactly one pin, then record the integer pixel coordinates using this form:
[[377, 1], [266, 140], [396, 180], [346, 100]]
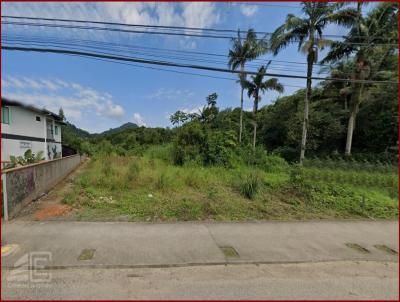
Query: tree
[[241, 53], [368, 34], [210, 111], [254, 88], [61, 114], [179, 117], [307, 32]]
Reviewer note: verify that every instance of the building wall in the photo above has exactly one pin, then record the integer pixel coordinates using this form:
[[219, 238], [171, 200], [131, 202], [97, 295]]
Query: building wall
[[23, 123], [23, 184], [13, 147], [50, 150]]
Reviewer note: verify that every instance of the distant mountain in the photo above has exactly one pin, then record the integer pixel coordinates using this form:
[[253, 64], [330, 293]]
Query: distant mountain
[[125, 126], [71, 129]]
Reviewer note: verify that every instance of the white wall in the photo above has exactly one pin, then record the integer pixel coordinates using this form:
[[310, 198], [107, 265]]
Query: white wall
[[13, 147], [23, 122]]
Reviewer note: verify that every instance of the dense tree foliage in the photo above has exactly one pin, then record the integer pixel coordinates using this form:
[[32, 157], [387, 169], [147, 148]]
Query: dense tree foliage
[[330, 110]]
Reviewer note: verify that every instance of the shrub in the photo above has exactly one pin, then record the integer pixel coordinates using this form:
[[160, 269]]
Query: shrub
[[260, 158], [189, 143], [219, 148], [297, 176], [28, 158], [250, 185], [162, 152]]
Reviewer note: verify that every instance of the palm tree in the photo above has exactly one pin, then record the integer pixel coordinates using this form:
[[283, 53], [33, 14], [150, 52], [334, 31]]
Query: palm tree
[[307, 32], [257, 86], [241, 53], [340, 70], [368, 34]]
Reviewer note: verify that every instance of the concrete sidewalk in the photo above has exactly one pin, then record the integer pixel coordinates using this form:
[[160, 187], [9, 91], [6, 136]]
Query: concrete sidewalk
[[179, 244]]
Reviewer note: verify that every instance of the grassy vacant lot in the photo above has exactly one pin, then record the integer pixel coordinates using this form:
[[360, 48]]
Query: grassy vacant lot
[[148, 188]]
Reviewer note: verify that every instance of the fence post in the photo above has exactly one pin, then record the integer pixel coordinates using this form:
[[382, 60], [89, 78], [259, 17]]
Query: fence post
[[4, 191]]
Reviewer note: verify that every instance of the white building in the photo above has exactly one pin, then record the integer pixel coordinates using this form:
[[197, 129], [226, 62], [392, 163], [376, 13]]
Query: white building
[[25, 127]]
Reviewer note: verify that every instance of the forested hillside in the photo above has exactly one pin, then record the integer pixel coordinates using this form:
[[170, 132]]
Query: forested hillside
[[326, 151]]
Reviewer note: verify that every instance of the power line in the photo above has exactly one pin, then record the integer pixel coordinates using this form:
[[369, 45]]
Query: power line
[[173, 64], [171, 50], [146, 31], [174, 71], [144, 25], [79, 47]]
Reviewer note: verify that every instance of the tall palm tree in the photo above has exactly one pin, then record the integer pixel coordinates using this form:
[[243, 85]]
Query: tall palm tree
[[307, 32], [241, 53], [257, 86], [368, 34]]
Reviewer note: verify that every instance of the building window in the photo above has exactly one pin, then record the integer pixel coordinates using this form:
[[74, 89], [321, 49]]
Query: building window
[[56, 130], [37, 118], [5, 115]]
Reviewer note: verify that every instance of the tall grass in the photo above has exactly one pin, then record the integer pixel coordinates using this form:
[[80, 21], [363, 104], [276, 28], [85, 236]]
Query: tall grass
[[149, 188]]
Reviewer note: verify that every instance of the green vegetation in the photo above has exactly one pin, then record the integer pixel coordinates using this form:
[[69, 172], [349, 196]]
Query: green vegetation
[[233, 164], [28, 158], [150, 188]]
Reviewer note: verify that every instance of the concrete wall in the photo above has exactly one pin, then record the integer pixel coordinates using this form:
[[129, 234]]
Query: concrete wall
[[23, 184]]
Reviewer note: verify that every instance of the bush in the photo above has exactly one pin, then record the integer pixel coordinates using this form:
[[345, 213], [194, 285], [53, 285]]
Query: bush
[[297, 176], [28, 158], [250, 185], [188, 143], [162, 152], [200, 145], [220, 148], [260, 158]]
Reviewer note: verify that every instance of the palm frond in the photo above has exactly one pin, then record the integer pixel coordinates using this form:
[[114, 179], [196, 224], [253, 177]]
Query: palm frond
[[345, 17], [273, 84]]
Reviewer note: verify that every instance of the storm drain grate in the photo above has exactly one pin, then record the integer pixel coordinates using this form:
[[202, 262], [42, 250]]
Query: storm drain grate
[[358, 248], [386, 249], [86, 254], [229, 252]]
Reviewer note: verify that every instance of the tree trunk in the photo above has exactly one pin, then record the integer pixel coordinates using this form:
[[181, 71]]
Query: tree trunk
[[255, 108], [350, 130], [242, 76], [306, 105], [352, 122], [241, 116]]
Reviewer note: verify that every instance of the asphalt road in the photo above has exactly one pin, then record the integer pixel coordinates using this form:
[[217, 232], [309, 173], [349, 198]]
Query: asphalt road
[[324, 280], [257, 260]]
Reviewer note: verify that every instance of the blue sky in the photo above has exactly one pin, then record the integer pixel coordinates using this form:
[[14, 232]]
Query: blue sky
[[98, 95]]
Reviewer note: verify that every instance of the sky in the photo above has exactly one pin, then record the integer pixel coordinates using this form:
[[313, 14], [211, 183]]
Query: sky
[[97, 95]]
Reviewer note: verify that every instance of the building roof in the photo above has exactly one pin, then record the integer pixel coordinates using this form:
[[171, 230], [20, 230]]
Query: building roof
[[8, 102]]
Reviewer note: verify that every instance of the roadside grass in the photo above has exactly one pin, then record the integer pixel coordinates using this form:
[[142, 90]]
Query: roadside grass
[[150, 188]]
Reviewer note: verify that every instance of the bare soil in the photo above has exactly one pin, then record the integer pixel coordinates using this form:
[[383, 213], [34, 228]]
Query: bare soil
[[50, 206]]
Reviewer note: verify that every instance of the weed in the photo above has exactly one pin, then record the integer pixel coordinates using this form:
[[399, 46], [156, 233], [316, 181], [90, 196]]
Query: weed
[[250, 185]]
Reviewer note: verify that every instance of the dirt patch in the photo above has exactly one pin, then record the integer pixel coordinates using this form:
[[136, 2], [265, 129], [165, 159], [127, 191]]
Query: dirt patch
[[53, 211], [50, 205]]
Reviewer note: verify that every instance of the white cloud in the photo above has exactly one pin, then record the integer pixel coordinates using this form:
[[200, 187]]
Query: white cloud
[[76, 100], [248, 10], [199, 14], [138, 119], [171, 94], [192, 110], [195, 14]]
